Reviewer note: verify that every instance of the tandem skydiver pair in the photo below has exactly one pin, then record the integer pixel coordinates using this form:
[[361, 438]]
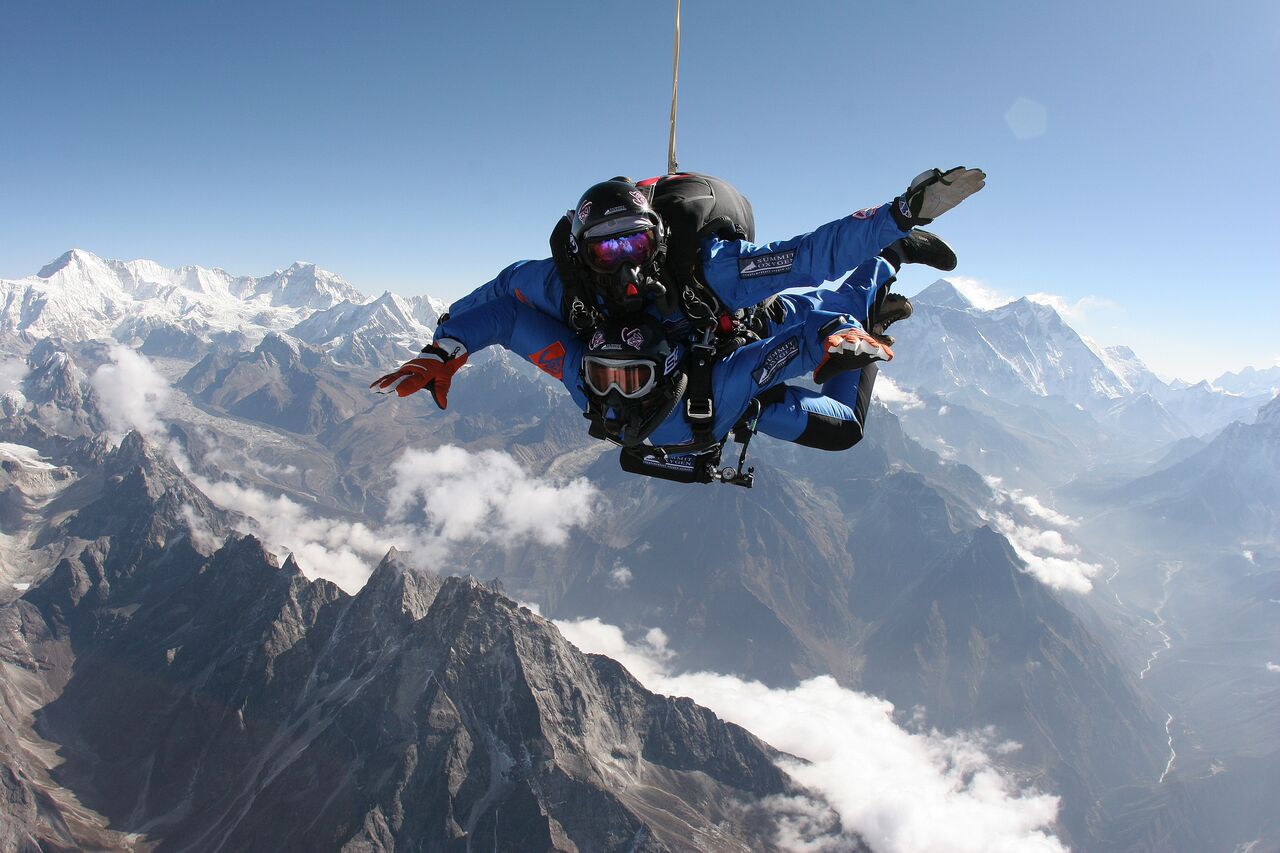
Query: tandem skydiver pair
[[671, 327]]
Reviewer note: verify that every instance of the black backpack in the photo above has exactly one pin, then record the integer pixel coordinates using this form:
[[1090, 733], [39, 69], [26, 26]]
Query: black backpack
[[694, 207]]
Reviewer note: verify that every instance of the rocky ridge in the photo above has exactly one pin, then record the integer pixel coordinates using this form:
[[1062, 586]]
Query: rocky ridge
[[224, 701]]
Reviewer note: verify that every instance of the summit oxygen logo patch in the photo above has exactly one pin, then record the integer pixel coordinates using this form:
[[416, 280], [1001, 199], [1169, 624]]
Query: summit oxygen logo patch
[[776, 359], [772, 264]]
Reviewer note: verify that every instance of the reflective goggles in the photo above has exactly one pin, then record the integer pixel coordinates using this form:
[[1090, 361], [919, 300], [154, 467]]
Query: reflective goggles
[[632, 378], [608, 254]]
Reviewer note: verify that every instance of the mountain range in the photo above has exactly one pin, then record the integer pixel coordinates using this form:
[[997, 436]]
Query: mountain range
[[1021, 395], [224, 701], [926, 567]]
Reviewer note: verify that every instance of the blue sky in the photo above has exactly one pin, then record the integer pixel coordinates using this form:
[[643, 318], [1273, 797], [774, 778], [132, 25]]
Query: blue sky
[[420, 147]]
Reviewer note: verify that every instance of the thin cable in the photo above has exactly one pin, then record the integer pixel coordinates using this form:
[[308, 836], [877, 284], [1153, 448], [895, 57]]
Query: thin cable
[[675, 83]]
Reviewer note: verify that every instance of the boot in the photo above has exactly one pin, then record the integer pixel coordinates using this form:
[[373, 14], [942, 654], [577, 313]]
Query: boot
[[889, 310], [920, 247]]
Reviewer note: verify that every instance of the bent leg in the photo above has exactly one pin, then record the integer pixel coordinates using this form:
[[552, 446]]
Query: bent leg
[[857, 296], [831, 420], [834, 418]]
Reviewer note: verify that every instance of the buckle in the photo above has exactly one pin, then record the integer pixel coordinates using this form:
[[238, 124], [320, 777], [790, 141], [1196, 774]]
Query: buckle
[[698, 410]]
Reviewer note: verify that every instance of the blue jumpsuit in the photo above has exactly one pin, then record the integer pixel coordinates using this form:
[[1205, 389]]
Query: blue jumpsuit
[[795, 348], [741, 275]]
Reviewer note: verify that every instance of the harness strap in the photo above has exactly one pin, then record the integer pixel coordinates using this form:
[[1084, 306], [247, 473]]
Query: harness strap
[[577, 307], [699, 405]]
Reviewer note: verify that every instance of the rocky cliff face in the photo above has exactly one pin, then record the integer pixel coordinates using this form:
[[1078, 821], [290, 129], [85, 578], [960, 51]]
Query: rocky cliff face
[[226, 702], [282, 383]]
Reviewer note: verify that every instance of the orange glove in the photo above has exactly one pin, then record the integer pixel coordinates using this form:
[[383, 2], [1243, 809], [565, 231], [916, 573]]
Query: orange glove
[[433, 370], [850, 349]]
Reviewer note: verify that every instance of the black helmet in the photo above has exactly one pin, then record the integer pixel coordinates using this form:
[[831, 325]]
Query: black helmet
[[619, 241], [632, 377]]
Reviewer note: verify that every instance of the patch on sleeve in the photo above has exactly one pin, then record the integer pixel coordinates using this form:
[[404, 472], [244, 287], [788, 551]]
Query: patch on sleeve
[[550, 360], [773, 264], [866, 212], [774, 360]]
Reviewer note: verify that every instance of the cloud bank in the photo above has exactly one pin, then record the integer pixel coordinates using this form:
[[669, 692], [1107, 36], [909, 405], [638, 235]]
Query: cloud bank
[[441, 498], [901, 791], [1029, 526], [465, 495]]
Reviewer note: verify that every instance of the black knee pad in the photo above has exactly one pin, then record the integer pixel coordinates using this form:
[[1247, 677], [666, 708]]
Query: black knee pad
[[827, 433]]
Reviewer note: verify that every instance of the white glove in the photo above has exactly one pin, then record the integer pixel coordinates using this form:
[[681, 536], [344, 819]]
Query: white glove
[[932, 193]]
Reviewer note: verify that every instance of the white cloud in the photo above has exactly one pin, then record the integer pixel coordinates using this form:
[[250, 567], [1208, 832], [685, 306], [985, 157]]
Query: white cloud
[[894, 397], [1050, 558], [1033, 506], [1074, 312], [201, 535], [131, 392], [978, 293], [342, 551], [655, 641], [12, 371], [465, 494], [620, 577], [440, 498], [900, 790]]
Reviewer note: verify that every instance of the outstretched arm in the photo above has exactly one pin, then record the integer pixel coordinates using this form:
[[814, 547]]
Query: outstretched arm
[[541, 340], [491, 322], [743, 274], [534, 283]]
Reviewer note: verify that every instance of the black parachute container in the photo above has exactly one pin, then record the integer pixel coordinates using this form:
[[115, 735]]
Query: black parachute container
[[694, 206]]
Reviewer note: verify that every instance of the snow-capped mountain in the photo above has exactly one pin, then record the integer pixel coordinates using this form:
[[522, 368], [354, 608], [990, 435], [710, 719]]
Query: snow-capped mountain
[[1024, 352], [1019, 350], [81, 297], [1126, 364], [388, 329], [872, 567], [1251, 381], [1201, 408]]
